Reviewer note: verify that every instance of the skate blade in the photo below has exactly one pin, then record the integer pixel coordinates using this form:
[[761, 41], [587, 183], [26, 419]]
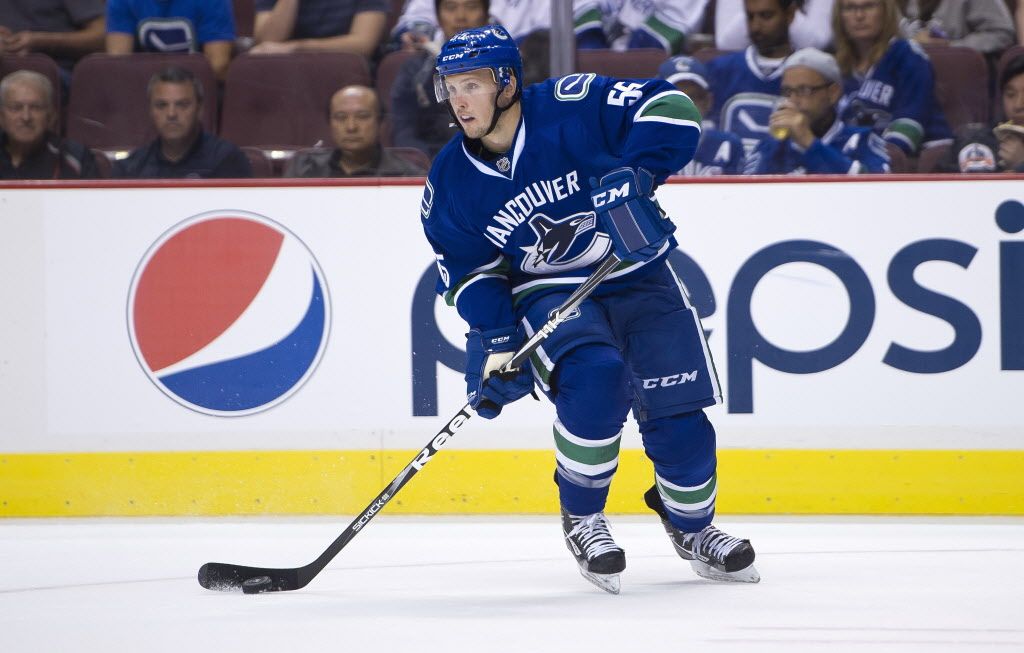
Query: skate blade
[[608, 582], [747, 575]]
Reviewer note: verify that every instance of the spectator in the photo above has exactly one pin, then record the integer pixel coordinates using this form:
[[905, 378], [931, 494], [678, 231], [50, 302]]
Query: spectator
[[28, 147], [984, 25], [628, 24], [807, 135], [718, 152], [888, 81], [975, 146], [355, 126], [1011, 90], [811, 27], [758, 69], [182, 148], [419, 20], [64, 29], [417, 118], [1011, 146], [354, 26], [174, 26]]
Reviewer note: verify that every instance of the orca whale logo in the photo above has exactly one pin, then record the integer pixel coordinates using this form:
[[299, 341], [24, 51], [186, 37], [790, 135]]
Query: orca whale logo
[[565, 244]]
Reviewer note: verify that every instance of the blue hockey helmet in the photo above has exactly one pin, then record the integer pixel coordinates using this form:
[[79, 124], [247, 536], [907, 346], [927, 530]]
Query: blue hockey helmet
[[473, 49]]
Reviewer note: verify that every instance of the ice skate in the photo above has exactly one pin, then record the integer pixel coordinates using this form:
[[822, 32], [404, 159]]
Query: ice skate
[[599, 558], [712, 554]]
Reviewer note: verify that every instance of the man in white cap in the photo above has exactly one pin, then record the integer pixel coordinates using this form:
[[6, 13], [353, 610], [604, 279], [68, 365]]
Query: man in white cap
[[719, 152], [807, 136]]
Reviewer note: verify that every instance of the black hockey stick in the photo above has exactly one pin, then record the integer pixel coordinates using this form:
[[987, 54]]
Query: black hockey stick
[[224, 576]]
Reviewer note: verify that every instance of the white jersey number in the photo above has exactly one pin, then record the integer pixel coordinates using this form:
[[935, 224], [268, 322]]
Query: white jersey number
[[443, 271], [624, 93]]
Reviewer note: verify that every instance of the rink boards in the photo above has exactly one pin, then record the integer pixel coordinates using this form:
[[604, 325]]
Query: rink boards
[[245, 349]]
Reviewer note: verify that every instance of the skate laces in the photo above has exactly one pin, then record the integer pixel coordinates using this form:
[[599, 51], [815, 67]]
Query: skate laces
[[593, 535], [715, 543]]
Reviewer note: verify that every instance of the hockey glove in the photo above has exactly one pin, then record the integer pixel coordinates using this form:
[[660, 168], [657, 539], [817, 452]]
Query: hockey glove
[[626, 212], [486, 390]]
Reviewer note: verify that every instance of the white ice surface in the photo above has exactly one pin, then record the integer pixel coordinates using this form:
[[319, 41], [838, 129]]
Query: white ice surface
[[507, 584]]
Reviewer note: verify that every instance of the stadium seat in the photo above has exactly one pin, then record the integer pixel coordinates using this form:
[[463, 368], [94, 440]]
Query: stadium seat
[[108, 107], [245, 16], [931, 157], [640, 63], [387, 71], [705, 55], [394, 13], [262, 164], [281, 101], [961, 84], [412, 155], [36, 62], [103, 164]]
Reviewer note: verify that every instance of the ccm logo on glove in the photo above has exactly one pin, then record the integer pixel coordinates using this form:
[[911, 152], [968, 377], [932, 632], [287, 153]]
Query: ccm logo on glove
[[600, 199]]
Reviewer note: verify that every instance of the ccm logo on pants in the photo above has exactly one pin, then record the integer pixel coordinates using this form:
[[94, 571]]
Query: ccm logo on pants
[[666, 381]]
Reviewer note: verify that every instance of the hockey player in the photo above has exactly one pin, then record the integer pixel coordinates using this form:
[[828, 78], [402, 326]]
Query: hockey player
[[519, 208]]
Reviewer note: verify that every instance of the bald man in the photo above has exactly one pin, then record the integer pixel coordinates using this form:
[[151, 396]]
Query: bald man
[[355, 129]]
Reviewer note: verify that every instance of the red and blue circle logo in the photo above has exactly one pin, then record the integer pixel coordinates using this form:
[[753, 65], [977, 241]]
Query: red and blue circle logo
[[228, 313]]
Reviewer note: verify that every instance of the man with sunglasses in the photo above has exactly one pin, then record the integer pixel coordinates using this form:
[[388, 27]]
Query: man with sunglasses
[[807, 136]]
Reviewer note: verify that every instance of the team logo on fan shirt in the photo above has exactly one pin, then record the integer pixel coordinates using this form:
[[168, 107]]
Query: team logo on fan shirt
[[228, 313]]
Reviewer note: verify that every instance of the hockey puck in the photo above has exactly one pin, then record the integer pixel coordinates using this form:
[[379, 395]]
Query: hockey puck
[[256, 585]]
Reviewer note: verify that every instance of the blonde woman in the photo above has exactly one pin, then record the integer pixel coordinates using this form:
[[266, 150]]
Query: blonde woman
[[888, 81]]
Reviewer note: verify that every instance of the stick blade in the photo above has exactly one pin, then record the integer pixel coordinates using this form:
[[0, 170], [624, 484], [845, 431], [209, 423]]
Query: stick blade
[[224, 577]]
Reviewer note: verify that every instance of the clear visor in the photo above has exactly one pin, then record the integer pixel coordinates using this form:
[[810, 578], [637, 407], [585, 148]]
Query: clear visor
[[469, 83]]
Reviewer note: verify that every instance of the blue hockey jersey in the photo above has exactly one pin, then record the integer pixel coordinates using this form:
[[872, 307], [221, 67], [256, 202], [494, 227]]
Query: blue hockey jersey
[[842, 150], [719, 153], [742, 72], [523, 223], [897, 99]]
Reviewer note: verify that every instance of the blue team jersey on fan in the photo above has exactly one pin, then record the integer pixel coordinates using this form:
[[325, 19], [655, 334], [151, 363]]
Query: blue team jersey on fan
[[523, 223], [843, 150], [719, 153], [739, 72], [897, 99], [172, 25]]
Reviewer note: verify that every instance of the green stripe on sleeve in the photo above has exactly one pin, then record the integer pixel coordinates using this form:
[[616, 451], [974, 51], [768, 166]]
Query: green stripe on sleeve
[[676, 106]]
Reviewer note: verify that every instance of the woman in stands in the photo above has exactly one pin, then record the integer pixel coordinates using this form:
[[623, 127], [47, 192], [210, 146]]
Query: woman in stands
[[888, 81]]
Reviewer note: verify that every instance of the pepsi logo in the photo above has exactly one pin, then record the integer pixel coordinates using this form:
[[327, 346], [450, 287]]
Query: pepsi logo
[[228, 313]]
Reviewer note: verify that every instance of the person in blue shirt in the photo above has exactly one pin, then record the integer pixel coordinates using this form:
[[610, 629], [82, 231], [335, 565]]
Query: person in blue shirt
[[807, 136], [519, 208], [175, 26], [888, 81], [719, 152], [758, 68], [746, 83]]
